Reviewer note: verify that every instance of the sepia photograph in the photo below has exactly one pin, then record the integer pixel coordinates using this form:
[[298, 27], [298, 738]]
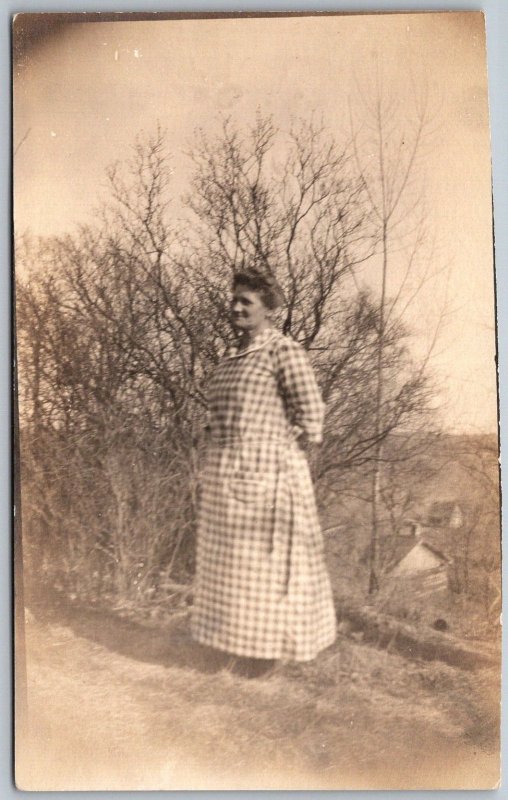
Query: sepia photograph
[[257, 537]]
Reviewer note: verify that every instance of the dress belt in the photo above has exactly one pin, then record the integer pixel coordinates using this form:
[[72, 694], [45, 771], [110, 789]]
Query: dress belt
[[235, 440]]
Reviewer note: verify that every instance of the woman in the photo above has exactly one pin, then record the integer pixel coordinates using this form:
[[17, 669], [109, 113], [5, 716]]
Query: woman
[[262, 590]]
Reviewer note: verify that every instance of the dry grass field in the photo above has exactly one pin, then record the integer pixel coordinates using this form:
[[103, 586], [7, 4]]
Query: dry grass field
[[115, 704]]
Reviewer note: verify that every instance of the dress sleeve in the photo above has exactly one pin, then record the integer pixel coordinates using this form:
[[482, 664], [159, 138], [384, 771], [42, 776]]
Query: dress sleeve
[[299, 390]]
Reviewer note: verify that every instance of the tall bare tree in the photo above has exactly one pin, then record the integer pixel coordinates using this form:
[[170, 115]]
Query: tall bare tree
[[389, 143]]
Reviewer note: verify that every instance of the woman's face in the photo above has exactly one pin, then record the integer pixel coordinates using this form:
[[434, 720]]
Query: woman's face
[[248, 310]]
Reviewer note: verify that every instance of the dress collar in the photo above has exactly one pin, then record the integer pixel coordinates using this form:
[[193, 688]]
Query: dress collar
[[260, 341]]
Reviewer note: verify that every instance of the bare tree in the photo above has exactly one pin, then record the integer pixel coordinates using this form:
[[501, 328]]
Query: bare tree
[[388, 146], [290, 204], [296, 206], [121, 323], [109, 343], [479, 559]]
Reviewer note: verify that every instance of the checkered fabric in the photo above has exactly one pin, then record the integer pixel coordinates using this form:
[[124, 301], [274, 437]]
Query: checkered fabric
[[262, 589]]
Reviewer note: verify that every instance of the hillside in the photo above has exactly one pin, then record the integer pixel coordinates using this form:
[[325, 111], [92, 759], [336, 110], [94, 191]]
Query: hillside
[[124, 699], [117, 705], [456, 473]]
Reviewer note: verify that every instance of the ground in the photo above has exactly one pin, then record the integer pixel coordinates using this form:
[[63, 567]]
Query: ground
[[116, 704]]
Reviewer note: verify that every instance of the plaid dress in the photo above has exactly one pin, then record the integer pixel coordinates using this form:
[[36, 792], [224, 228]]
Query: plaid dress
[[262, 589]]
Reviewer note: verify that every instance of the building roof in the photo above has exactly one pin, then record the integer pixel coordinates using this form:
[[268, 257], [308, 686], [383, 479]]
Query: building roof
[[439, 540], [395, 549]]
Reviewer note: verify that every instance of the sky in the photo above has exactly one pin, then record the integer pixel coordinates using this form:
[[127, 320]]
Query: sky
[[83, 94]]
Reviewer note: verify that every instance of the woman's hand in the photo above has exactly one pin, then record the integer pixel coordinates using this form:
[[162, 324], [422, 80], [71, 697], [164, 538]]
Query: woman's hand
[[306, 444]]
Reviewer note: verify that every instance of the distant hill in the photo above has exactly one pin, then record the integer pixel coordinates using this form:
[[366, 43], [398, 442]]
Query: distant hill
[[450, 493]]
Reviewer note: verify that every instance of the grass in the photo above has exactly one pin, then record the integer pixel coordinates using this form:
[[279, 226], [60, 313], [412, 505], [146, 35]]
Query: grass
[[117, 705]]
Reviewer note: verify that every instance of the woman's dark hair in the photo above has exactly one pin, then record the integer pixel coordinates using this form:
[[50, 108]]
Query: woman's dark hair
[[264, 284]]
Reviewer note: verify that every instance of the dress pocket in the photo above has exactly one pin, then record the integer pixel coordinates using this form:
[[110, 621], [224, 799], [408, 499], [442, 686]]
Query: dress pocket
[[252, 490]]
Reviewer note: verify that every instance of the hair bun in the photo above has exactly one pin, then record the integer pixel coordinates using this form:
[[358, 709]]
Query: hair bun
[[264, 282]]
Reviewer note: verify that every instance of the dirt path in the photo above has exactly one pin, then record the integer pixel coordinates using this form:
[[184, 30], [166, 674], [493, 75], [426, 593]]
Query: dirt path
[[117, 705]]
